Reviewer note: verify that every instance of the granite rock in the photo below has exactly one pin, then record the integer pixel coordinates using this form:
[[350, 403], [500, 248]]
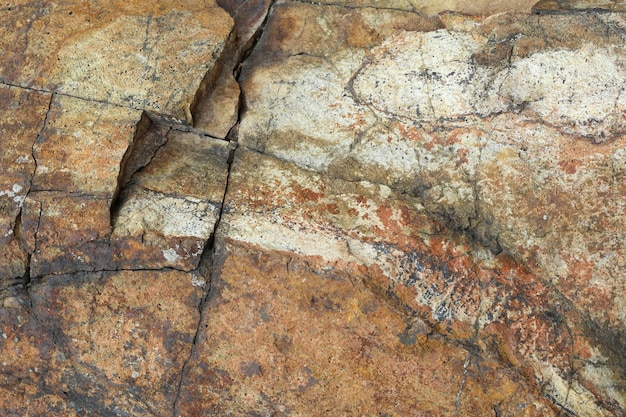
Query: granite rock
[[150, 56], [413, 208], [319, 342], [105, 343], [22, 115]]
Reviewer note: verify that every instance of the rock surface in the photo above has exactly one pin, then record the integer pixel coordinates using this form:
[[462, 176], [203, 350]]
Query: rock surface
[[341, 208]]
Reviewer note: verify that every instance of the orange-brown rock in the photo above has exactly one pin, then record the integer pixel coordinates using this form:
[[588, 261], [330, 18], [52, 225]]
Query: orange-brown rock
[[413, 208], [99, 343], [22, 115], [319, 342], [144, 55]]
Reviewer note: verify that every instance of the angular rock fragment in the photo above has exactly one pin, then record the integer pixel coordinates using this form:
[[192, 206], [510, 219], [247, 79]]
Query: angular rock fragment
[[82, 147], [168, 211], [79, 156], [215, 109]]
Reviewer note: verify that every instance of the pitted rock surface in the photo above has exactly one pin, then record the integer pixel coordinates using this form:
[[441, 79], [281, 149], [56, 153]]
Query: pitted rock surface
[[301, 209]]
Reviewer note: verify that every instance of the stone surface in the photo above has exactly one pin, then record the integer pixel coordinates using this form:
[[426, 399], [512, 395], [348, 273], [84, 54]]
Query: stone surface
[[493, 127], [168, 211], [437, 278], [215, 109], [318, 342], [546, 6], [22, 115], [150, 56], [432, 8], [415, 208], [103, 344]]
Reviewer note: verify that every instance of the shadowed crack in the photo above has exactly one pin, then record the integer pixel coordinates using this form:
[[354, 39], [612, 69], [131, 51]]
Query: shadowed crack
[[207, 266]]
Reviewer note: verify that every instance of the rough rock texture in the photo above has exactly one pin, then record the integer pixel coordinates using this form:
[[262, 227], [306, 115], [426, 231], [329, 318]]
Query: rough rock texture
[[145, 55], [341, 208]]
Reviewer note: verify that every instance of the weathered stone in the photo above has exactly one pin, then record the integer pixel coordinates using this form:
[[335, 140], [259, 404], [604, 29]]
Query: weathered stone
[[287, 335], [97, 344], [434, 7], [33, 367], [507, 143], [22, 115], [436, 277], [82, 147], [149, 56], [409, 214], [568, 5], [168, 211], [216, 106]]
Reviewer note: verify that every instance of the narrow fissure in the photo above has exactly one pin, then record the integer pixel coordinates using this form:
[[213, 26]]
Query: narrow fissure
[[207, 264]]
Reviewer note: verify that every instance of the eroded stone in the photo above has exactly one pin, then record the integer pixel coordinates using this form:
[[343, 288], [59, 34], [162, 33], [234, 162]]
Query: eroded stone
[[544, 6], [98, 343], [22, 116], [215, 109], [168, 212], [439, 278], [318, 342], [82, 147], [493, 126], [432, 8], [149, 56]]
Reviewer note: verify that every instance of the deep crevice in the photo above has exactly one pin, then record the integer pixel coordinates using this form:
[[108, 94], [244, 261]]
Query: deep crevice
[[148, 139]]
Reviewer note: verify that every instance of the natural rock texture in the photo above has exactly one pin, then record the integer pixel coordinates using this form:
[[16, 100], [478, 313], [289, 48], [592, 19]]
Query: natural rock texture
[[169, 210], [103, 344], [432, 8], [320, 343], [145, 55], [216, 106], [546, 6], [22, 115], [493, 127], [410, 211]]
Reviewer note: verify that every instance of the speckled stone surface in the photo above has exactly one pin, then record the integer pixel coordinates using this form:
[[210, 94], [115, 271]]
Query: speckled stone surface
[[145, 55], [288, 208]]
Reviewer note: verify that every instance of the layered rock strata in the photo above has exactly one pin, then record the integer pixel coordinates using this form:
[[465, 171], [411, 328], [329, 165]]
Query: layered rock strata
[[345, 208]]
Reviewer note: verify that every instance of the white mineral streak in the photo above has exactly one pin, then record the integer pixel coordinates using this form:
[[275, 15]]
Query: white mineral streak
[[171, 216], [511, 144]]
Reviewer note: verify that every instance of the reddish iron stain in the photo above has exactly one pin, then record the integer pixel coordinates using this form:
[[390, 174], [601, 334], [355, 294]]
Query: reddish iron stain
[[333, 208], [304, 194], [570, 166], [462, 156]]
